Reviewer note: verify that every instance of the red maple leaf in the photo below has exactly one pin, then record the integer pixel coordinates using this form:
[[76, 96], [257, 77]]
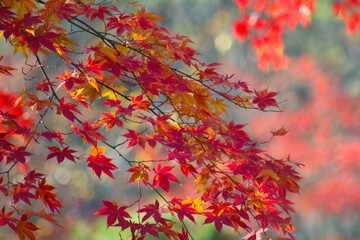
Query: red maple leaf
[[90, 133], [100, 163], [25, 228], [112, 103], [49, 135], [134, 136], [264, 99], [47, 197], [21, 192], [163, 177], [151, 229], [70, 79], [61, 154], [6, 219], [110, 120], [151, 210], [96, 13], [114, 213], [31, 177], [140, 103], [18, 154], [184, 210], [139, 172], [3, 187], [67, 109]]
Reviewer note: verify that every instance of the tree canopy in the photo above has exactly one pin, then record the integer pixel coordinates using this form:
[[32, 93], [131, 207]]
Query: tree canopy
[[104, 82]]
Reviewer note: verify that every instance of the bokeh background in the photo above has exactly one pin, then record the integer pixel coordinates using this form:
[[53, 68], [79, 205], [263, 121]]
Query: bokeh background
[[320, 95]]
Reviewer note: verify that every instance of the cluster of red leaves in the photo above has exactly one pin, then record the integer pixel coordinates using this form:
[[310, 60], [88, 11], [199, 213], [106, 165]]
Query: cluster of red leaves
[[130, 75], [349, 10], [264, 22]]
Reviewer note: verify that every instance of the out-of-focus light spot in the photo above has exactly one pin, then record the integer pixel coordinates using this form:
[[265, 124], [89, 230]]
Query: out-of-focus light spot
[[79, 179], [304, 10], [223, 42], [337, 55], [46, 228], [221, 18], [217, 24], [62, 175], [253, 19], [354, 89], [86, 193]]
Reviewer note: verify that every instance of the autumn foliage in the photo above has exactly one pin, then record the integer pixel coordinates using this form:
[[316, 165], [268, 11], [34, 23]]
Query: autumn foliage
[[265, 22], [125, 82]]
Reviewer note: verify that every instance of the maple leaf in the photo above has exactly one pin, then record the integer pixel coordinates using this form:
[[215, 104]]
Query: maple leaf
[[264, 99], [114, 213], [25, 228], [184, 235], [96, 13], [110, 120], [18, 154], [140, 103], [49, 135], [44, 86], [6, 219], [220, 105], [48, 217], [120, 23], [100, 163], [185, 210], [70, 79], [61, 154], [151, 210], [134, 135], [47, 197], [5, 69], [77, 96], [139, 172], [163, 177], [112, 103], [3, 187], [67, 109], [196, 204], [90, 133], [280, 132], [31, 177], [21, 192], [151, 229]]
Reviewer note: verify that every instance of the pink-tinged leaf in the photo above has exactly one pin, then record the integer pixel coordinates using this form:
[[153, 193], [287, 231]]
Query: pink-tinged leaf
[[264, 99]]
